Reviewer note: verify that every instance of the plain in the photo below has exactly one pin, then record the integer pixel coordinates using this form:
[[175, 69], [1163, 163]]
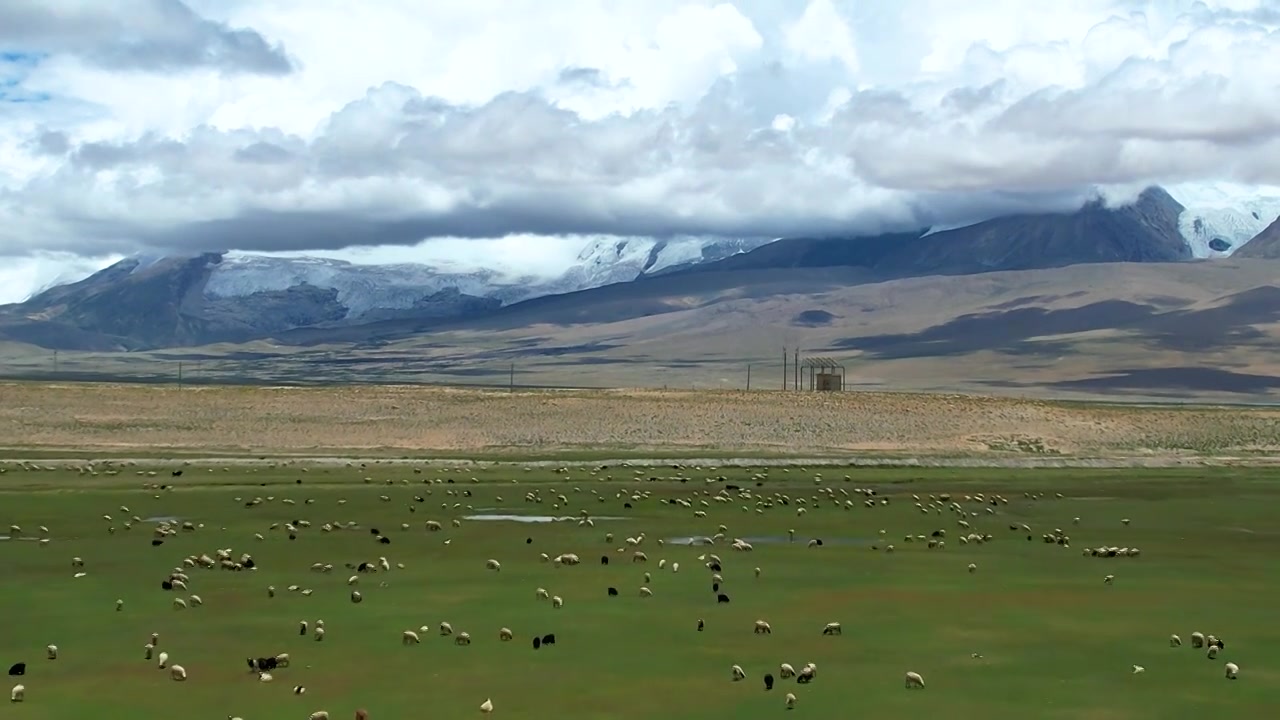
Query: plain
[[1033, 630]]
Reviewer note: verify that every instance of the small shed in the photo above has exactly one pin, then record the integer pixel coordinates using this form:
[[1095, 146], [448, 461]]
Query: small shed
[[825, 374]]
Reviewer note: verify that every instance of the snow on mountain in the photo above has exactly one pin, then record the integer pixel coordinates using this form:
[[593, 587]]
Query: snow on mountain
[[366, 287], [1219, 219]]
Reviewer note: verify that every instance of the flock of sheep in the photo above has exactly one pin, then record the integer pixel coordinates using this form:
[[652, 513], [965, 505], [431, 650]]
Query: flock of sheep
[[965, 509]]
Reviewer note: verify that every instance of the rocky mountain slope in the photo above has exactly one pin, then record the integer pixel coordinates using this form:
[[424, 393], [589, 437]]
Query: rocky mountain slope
[[1265, 245]]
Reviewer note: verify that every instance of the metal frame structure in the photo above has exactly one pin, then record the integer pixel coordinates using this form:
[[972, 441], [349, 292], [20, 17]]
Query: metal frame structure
[[816, 364]]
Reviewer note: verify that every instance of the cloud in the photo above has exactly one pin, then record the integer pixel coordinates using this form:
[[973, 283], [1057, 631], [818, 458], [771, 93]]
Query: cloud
[[187, 127]]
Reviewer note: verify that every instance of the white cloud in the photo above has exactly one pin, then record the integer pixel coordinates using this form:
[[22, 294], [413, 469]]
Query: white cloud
[[315, 125]]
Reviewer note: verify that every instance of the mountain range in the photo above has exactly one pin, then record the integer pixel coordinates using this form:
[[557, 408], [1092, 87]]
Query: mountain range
[[1032, 299]]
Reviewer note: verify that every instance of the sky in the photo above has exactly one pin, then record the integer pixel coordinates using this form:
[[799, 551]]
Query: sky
[[507, 133]]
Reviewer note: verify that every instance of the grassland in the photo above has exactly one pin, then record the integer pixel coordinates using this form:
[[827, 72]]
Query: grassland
[[157, 421], [1051, 640]]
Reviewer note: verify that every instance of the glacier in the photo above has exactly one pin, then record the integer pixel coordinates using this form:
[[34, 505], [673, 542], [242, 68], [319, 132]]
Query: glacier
[[1225, 212]]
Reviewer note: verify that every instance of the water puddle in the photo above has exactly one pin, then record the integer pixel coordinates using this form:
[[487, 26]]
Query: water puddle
[[535, 518]]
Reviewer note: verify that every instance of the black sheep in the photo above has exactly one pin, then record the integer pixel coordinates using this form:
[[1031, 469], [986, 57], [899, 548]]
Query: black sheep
[[384, 540], [722, 598], [166, 585], [613, 592], [373, 531], [715, 566], [528, 541], [549, 639], [157, 543], [17, 669], [537, 643], [604, 559], [701, 624], [768, 681], [249, 563], [715, 587], [177, 473], [252, 665]]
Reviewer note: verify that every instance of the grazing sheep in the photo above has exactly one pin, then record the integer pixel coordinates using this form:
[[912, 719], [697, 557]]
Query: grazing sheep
[[409, 637], [790, 701], [701, 624], [18, 693], [505, 634], [299, 690], [768, 681], [282, 660], [265, 677], [486, 707], [119, 605], [914, 680], [1213, 652], [319, 634], [163, 661], [721, 598], [1233, 671], [549, 639], [302, 627], [492, 564], [832, 629], [557, 601], [17, 669], [148, 649], [612, 592], [1197, 639], [1138, 669], [738, 673], [807, 674], [762, 627], [196, 601], [973, 567], [462, 639], [786, 671], [179, 604], [1108, 580], [1175, 641], [52, 652], [356, 597], [177, 672], [319, 715], [646, 592], [445, 629], [541, 594], [537, 643]]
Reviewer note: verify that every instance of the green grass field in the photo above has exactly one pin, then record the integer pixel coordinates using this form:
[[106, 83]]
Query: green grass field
[[1053, 641]]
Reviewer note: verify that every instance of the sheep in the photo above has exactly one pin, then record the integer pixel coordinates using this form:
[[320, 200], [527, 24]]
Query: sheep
[[52, 652], [1197, 639], [768, 681], [549, 639], [505, 634], [486, 707], [1175, 641], [356, 597], [557, 601], [646, 592], [445, 629], [319, 715], [302, 627], [18, 693], [319, 633], [17, 669], [178, 673], [282, 660], [721, 598], [1233, 671], [299, 690], [537, 643], [265, 677], [1138, 669], [612, 592], [914, 681], [832, 628], [701, 624], [541, 594], [790, 701], [409, 637], [196, 601], [738, 673], [1108, 580], [973, 567], [786, 671], [179, 604], [1213, 652], [762, 627], [492, 564], [163, 661], [807, 674], [462, 639]]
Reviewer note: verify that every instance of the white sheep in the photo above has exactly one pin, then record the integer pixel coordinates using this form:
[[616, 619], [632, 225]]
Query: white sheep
[[1233, 671], [52, 652], [646, 592], [319, 633], [409, 637], [505, 634], [738, 673], [557, 601], [1197, 639], [356, 596], [492, 564], [196, 601], [319, 715], [790, 700], [445, 629], [179, 604], [486, 707], [163, 660], [973, 567], [282, 660], [265, 677], [18, 693], [177, 672], [119, 605], [833, 628], [786, 671], [1213, 652], [1138, 669], [541, 594], [1175, 641], [462, 639], [1108, 580], [762, 627], [914, 680]]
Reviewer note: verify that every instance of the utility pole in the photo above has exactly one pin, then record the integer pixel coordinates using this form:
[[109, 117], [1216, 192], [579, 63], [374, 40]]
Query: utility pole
[[55, 362], [179, 374], [748, 377], [784, 368], [797, 368], [511, 381]]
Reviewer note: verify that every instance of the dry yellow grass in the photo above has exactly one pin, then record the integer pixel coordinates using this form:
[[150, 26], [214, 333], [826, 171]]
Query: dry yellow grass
[[155, 419]]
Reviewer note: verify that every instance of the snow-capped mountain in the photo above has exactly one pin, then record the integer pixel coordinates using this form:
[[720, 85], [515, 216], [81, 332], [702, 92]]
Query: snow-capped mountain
[[1220, 219]]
